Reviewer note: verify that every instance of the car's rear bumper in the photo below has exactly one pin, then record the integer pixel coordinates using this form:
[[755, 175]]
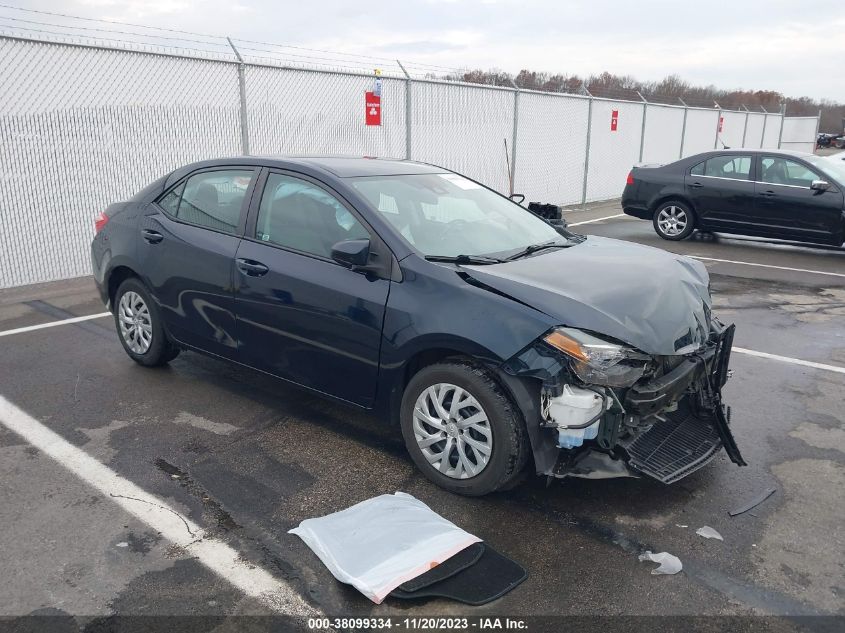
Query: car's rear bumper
[[636, 211]]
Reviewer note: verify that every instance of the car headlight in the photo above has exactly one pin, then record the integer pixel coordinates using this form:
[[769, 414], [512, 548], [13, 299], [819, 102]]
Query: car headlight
[[596, 361]]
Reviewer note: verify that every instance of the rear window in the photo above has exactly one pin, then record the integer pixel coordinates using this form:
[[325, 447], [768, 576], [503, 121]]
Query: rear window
[[732, 167]]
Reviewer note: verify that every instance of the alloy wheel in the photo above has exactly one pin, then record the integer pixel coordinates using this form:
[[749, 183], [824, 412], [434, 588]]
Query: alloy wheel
[[672, 220], [452, 431], [136, 325]]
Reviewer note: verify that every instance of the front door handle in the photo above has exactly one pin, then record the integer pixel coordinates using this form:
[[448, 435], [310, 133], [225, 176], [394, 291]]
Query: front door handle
[[696, 185], [251, 267], [768, 194], [152, 237]]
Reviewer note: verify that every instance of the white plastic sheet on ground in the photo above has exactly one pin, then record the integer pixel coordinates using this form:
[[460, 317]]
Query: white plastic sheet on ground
[[708, 532], [669, 564], [378, 544]]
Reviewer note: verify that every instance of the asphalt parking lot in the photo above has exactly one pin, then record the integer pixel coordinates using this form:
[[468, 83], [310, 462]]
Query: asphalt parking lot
[[244, 458]]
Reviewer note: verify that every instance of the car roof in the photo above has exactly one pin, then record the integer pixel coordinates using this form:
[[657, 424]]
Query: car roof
[[756, 150], [338, 166]]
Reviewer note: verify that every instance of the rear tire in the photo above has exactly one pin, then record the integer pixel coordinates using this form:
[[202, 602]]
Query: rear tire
[[467, 458], [139, 326], [673, 220]]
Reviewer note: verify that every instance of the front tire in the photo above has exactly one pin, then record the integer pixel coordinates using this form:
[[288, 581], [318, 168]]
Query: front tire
[[462, 430], [139, 327], [674, 220]]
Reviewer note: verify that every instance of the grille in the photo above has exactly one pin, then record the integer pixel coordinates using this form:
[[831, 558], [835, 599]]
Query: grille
[[674, 448]]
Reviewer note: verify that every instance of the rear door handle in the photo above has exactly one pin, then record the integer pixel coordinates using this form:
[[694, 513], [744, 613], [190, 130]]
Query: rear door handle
[[152, 237], [251, 267], [696, 185], [768, 194]]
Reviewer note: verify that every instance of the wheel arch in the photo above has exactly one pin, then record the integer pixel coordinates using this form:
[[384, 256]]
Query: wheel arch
[[115, 277]]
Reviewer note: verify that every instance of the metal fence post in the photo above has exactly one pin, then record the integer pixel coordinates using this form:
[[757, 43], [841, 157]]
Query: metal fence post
[[745, 127], [782, 117], [587, 152], [242, 91], [683, 129], [765, 121], [818, 125], [513, 136], [642, 129], [718, 122], [407, 111]]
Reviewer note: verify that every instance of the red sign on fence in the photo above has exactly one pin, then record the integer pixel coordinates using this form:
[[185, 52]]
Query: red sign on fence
[[372, 110], [721, 122], [614, 120]]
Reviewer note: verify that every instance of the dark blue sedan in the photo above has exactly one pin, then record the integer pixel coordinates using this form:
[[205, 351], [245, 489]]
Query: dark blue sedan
[[490, 336]]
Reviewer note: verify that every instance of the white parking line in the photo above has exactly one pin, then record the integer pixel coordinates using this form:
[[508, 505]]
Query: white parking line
[[179, 530], [787, 359], [797, 270], [41, 326], [609, 217]]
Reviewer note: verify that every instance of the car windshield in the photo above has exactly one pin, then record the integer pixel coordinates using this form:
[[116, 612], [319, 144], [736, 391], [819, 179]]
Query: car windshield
[[833, 166], [448, 215]]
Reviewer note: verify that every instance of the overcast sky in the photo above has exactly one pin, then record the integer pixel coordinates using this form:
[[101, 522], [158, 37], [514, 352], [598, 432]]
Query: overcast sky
[[796, 47]]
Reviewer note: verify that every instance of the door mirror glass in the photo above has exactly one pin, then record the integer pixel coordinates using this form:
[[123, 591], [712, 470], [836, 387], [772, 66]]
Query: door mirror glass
[[352, 253], [820, 185]]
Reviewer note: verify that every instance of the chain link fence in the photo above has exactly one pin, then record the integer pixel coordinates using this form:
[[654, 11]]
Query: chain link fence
[[84, 125]]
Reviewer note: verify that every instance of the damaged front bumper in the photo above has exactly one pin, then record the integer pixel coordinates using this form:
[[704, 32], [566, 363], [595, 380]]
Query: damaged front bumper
[[668, 424]]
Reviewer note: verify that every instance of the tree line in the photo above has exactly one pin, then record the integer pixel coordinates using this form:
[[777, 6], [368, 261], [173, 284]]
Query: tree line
[[673, 89]]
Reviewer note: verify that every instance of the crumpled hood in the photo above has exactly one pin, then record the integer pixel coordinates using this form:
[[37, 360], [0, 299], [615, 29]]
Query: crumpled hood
[[652, 299]]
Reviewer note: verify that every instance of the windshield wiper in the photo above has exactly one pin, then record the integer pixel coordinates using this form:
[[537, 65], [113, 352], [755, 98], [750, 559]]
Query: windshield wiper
[[534, 248], [464, 259]]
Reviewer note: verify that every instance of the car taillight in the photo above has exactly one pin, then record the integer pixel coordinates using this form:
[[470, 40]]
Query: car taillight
[[100, 221], [630, 180]]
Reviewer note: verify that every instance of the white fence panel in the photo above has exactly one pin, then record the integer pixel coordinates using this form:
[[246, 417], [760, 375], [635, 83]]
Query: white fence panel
[[754, 132], [733, 127], [772, 131], [701, 129], [663, 127], [303, 112], [551, 146], [83, 127], [799, 133], [464, 128], [613, 153]]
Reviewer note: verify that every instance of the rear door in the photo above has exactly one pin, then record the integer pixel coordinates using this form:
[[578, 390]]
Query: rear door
[[300, 315], [187, 246], [787, 207], [721, 189]]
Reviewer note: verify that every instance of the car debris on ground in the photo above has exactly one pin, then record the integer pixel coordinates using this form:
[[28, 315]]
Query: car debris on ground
[[708, 532], [669, 563]]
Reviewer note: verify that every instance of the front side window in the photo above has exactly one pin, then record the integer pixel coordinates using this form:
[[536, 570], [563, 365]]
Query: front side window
[[298, 215], [212, 199], [733, 167], [782, 171], [449, 215]]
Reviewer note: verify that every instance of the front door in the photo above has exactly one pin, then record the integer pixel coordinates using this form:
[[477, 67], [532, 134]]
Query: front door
[[785, 204], [722, 191], [300, 315], [187, 247]]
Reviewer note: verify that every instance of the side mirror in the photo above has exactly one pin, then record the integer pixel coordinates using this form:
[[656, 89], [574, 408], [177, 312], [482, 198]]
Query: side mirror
[[352, 253], [514, 197], [819, 185]]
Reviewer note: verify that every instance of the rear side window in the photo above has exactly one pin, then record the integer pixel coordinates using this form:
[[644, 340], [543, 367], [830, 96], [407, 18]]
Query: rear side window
[[212, 199], [733, 167], [296, 214], [782, 171]]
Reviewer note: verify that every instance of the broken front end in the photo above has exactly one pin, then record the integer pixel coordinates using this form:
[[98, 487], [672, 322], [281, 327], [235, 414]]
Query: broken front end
[[605, 409]]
